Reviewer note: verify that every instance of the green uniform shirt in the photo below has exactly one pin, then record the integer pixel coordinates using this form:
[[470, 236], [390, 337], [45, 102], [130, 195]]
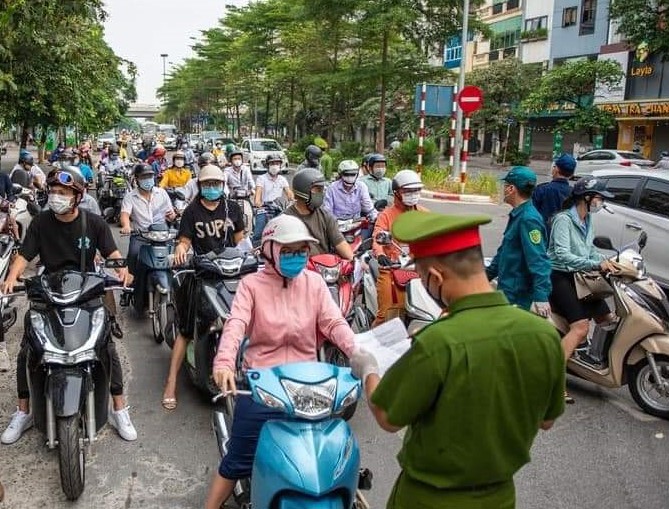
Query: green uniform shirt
[[472, 391]]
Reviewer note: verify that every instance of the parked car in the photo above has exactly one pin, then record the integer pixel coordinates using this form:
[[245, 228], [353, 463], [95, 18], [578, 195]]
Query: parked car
[[641, 202], [596, 159], [257, 149], [108, 137], [195, 142]]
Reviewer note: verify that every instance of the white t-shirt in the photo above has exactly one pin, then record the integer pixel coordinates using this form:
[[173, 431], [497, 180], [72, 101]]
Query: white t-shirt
[[272, 187]]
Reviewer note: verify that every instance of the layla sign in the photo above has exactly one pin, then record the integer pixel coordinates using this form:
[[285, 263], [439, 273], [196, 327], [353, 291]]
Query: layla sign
[[642, 71], [635, 109]]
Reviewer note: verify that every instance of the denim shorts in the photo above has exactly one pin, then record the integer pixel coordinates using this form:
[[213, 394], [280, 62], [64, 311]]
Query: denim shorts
[[246, 425]]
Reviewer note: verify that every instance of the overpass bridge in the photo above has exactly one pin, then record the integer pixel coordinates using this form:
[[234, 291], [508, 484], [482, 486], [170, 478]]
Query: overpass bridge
[[143, 110]]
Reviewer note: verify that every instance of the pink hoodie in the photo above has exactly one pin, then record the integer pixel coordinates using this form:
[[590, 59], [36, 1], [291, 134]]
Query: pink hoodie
[[284, 324]]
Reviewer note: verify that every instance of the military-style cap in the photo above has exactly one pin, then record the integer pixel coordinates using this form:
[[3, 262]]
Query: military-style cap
[[433, 234], [521, 176]]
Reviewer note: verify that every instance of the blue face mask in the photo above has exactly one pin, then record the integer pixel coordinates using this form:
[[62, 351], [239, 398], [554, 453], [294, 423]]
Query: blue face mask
[[146, 184], [291, 264], [211, 193]]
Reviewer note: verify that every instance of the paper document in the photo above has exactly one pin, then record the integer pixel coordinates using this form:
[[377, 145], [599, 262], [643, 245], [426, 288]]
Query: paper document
[[388, 342]]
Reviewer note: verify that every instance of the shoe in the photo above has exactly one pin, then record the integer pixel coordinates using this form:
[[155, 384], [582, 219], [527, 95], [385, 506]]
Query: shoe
[[125, 299], [116, 330], [568, 399], [5, 365], [20, 422], [121, 422]]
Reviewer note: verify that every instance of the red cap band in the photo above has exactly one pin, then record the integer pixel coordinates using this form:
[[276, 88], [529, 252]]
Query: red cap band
[[446, 244]]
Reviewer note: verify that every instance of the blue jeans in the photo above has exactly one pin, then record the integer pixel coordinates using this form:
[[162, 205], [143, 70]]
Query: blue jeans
[[133, 253], [261, 221]]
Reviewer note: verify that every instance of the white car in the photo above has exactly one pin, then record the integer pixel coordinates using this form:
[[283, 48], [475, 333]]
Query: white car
[[596, 159], [640, 203], [108, 137], [257, 149]]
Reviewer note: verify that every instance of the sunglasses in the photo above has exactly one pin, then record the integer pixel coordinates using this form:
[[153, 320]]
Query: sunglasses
[[61, 177]]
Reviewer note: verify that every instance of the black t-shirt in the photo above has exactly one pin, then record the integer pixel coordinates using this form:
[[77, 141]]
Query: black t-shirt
[[58, 244], [211, 230]]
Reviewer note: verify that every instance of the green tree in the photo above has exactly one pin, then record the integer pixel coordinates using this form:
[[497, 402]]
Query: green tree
[[643, 21], [574, 83]]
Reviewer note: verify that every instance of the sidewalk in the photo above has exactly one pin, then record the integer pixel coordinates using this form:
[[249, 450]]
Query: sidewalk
[[477, 164]]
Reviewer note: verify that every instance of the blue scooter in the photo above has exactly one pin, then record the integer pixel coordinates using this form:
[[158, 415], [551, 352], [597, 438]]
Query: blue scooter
[[310, 459]]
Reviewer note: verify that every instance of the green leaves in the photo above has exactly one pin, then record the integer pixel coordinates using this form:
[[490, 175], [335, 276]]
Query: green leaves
[[643, 21]]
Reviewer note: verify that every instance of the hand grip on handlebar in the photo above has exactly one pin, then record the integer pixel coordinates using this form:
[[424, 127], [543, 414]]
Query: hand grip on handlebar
[[225, 394]]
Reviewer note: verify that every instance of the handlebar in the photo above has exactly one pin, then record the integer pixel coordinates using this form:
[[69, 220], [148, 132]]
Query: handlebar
[[225, 394]]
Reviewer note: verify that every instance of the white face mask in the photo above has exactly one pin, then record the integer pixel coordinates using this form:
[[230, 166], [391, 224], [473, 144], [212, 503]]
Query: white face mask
[[60, 204], [274, 169], [237, 163], [179, 163], [596, 207], [350, 179], [411, 199]]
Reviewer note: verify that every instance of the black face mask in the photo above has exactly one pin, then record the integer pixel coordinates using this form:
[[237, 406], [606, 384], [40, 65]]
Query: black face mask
[[436, 296]]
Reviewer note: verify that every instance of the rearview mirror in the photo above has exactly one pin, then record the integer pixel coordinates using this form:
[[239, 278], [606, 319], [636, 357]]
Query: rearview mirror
[[380, 204], [17, 188], [604, 243], [116, 263], [643, 240], [384, 238]]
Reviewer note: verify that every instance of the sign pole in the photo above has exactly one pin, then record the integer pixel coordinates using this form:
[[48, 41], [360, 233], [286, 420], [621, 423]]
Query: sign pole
[[421, 130], [465, 154], [453, 121], [461, 85]]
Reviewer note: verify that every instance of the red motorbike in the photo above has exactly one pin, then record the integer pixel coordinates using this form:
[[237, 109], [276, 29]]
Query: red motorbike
[[352, 229]]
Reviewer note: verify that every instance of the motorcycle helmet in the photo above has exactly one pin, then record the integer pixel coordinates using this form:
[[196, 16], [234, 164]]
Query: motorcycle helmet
[[313, 154], [179, 154], [233, 153], [348, 171], [70, 176], [407, 180], [114, 149], [286, 229], [205, 158], [211, 172], [23, 154], [142, 169], [229, 148], [304, 180], [665, 153], [159, 151], [375, 158], [273, 158], [590, 186], [28, 159]]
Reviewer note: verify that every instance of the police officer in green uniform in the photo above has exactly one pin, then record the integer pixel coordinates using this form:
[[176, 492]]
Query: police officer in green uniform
[[476, 385], [521, 265]]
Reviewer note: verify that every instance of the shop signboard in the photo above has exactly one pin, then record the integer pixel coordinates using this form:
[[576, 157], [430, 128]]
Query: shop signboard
[[637, 109], [557, 144], [527, 140], [598, 141]]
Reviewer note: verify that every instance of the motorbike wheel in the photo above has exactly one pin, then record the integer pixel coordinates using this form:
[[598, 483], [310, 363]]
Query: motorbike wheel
[[360, 320], [170, 328], [334, 355], [645, 389], [157, 318], [71, 456]]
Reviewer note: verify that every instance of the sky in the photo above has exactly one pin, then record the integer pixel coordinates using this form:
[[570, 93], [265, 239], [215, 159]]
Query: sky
[[140, 30]]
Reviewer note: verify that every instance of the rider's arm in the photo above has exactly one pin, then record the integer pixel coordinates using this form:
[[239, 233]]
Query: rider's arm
[[382, 225], [238, 237], [236, 327], [287, 190], [336, 239], [344, 250], [165, 181], [257, 199], [366, 203], [16, 269], [328, 200], [331, 323], [249, 176]]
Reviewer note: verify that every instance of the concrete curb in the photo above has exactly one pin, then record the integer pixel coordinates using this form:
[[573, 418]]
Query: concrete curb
[[463, 198]]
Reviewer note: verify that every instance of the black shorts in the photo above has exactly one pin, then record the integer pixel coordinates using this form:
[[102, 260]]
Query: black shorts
[[186, 297], [564, 300]]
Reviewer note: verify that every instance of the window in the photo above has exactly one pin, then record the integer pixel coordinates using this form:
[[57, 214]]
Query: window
[[533, 24], [588, 11], [504, 40], [265, 146], [622, 188], [569, 16], [597, 156], [655, 198], [497, 8], [512, 4], [493, 55]]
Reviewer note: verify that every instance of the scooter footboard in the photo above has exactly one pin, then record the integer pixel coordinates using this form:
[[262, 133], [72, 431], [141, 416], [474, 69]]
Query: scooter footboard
[[317, 460], [299, 501]]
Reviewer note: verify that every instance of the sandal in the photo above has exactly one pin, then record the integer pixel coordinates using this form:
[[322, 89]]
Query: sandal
[[568, 399], [169, 403]]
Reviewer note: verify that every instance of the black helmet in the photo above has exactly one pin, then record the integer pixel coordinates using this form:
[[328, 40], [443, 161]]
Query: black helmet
[[375, 158], [113, 149], [28, 159], [66, 155], [304, 180], [665, 153], [142, 169], [68, 177], [273, 157], [590, 186], [313, 154], [206, 158]]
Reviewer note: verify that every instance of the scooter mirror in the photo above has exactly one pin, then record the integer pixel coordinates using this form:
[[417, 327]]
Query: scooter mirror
[[17, 188], [384, 238], [643, 240], [380, 204], [603, 243], [116, 263]]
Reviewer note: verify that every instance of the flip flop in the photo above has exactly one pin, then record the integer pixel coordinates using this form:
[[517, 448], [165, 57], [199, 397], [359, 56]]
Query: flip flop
[[169, 403], [568, 399]]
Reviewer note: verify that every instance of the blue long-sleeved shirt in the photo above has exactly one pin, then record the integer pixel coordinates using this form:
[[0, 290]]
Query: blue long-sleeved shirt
[[521, 265], [571, 247], [349, 204]]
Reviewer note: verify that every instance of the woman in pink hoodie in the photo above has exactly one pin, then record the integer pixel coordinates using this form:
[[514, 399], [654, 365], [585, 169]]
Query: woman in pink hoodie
[[283, 310]]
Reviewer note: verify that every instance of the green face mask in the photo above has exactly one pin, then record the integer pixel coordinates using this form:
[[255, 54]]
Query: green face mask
[[315, 200]]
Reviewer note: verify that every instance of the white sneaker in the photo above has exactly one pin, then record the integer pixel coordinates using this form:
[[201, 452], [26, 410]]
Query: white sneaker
[[5, 365], [20, 422], [121, 421]]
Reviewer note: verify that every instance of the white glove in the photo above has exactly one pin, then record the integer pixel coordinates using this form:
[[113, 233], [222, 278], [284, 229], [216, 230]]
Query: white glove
[[363, 364], [542, 309]]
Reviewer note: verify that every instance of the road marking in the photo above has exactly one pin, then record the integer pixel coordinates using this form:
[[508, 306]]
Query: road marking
[[455, 202]]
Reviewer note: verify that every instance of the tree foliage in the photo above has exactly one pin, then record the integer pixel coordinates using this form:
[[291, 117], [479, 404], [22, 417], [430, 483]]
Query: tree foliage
[[313, 66], [575, 83], [57, 70], [643, 21]]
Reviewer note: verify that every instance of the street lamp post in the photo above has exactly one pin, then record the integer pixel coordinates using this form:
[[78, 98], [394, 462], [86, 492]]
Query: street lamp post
[[164, 57], [461, 84]]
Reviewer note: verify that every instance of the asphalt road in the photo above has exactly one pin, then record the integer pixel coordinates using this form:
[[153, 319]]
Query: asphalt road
[[603, 453]]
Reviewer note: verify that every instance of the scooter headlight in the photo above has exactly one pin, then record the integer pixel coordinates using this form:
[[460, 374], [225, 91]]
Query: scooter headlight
[[350, 398], [311, 401], [330, 274], [162, 236], [270, 401]]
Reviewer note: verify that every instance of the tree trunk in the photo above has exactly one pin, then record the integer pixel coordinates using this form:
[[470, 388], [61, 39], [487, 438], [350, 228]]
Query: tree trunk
[[291, 114], [42, 145], [267, 114], [381, 135], [24, 134], [238, 119]]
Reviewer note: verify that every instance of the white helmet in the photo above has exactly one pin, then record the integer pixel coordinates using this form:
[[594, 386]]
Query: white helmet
[[286, 229], [407, 179], [211, 172], [348, 166]]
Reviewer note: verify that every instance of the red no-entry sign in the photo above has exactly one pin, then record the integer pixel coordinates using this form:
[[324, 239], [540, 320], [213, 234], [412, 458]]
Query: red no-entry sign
[[470, 99]]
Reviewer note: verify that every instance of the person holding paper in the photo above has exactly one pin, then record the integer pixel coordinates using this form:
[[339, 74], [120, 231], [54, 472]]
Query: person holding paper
[[476, 385]]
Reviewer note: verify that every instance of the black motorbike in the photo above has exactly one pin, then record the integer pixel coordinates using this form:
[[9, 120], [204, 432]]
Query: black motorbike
[[114, 187], [67, 331], [218, 276]]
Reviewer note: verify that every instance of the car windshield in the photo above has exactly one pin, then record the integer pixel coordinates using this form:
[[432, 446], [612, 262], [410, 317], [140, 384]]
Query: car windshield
[[107, 135], [631, 155], [265, 146]]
